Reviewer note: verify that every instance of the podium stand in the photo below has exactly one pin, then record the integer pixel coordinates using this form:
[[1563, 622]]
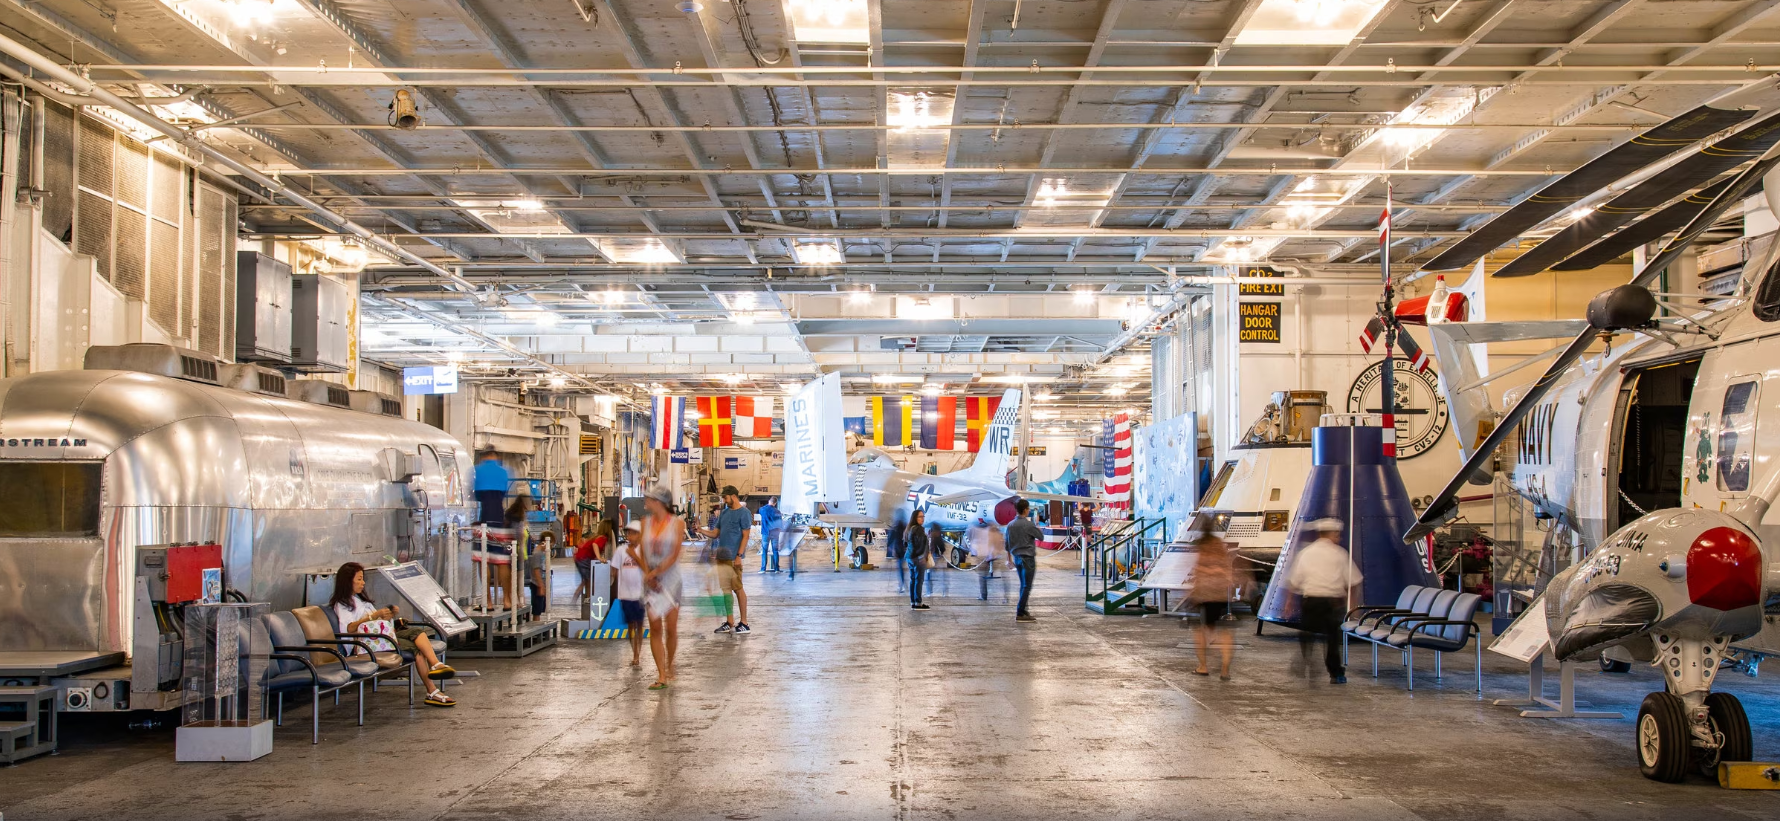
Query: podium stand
[[1565, 706], [224, 663]]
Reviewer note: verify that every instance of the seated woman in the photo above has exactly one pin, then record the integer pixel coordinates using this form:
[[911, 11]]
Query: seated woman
[[358, 614]]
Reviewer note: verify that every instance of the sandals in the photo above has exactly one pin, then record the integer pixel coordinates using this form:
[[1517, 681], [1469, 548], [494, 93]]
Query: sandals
[[441, 671], [437, 698], [660, 685]]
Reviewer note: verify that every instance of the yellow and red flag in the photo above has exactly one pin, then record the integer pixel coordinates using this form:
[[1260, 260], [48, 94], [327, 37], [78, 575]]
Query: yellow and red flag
[[716, 425], [979, 412]]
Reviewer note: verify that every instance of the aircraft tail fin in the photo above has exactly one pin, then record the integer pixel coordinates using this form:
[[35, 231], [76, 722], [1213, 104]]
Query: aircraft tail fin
[[815, 448], [998, 441]]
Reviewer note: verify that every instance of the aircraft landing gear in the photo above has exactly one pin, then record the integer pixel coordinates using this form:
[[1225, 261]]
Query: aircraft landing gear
[[1615, 666], [1690, 724]]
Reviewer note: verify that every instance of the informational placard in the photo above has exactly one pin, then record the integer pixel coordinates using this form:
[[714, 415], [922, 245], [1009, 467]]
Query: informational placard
[[1173, 569], [1261, 288], [1527, 637], [734, 463], [680, 456], [429, 379], [1037, 450], [1260, 321]]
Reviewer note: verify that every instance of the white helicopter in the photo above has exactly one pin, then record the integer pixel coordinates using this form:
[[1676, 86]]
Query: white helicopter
[[1657, 460], [882, 494]]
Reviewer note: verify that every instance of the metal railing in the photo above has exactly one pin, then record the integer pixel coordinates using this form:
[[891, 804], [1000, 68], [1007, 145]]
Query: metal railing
[[1114, 557]]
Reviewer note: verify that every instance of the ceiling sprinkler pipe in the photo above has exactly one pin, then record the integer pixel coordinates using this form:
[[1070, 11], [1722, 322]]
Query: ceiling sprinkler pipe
[[97, 94]]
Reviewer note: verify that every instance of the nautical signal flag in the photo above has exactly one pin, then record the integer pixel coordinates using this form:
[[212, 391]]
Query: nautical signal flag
[[939, 422], [754, 417], [892, 421], [979, 413], [716, 425], [667, 417]]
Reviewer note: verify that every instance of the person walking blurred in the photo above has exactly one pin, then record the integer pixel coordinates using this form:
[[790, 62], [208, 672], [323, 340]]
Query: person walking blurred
[[1322, 574], [663, 539], [729, 538], [988, 552], [1215, 580], [490, 484], [895, 544], [629, 587], [1022, 545], [919, 557]]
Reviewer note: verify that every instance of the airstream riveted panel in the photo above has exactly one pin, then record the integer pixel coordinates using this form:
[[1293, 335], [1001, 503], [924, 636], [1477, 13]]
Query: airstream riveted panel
[[97, 462]]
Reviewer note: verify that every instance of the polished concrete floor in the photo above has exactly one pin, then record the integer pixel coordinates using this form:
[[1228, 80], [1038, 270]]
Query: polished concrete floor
[[845, 704]]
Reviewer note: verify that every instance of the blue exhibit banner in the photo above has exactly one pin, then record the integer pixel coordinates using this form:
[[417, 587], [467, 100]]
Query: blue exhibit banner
[[429, 379]]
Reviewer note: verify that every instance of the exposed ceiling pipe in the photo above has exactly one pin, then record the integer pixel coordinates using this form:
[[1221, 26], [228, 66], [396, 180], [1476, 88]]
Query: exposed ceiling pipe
[[852, 127], [911, 171], [98, 94], [449, 324]]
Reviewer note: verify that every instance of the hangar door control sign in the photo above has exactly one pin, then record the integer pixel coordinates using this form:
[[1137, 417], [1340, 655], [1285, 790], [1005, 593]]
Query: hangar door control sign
[[1260, 320]]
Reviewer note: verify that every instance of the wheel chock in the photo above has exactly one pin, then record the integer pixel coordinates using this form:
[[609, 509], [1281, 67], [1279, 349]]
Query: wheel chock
[[1748, 775]]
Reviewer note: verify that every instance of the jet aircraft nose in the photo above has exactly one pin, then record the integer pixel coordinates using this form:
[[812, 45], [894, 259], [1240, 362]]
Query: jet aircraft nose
[[1724, 568]]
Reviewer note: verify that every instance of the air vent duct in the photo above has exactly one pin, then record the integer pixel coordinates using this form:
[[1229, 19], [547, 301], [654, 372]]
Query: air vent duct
[[161, 360], [254, 379], [378, 403], [317, 392]]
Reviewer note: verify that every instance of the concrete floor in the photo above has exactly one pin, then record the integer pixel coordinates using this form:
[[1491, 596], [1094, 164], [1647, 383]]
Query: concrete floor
[[845, 704]]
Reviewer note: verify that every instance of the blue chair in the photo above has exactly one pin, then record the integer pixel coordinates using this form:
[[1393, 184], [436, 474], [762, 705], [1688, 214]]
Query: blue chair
[[292, 668], [1446, 632]]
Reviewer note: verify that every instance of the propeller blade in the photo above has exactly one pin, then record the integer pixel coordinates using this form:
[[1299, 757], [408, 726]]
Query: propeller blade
[[1445, 505], [1647, 230], [1665, 185], [1623, 159]]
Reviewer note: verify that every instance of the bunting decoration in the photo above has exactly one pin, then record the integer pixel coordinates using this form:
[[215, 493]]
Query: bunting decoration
[[754, 417], [892, 418], [667, 422], [979, 412], [716, 428], [939, 422], [1118, 486]]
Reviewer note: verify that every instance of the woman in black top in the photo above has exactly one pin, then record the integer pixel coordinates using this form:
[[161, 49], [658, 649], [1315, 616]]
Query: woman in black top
[[917, 549]]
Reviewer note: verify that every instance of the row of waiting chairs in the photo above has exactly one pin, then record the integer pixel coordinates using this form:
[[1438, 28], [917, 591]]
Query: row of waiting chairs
[[1429, 618], [310, 652]]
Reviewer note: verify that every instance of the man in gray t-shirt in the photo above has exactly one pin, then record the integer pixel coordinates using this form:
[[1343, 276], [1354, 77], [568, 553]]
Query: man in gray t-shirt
[[728, 539], [1022, 544]]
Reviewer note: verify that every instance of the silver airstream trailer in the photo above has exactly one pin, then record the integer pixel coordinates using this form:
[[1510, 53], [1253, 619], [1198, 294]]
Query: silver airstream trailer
[[156, 445]]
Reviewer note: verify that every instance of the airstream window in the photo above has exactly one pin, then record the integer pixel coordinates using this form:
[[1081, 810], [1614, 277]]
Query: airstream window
[[49, 499]]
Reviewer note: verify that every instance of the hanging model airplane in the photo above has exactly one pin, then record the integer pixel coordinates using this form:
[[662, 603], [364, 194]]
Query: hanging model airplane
[[1652, 458]]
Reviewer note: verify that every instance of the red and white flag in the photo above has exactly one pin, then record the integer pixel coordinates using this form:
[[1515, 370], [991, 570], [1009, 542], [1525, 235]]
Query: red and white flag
[[754, 417], [667, 422]]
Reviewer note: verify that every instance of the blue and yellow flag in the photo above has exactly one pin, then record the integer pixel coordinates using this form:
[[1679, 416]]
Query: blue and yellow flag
[[892, 421]]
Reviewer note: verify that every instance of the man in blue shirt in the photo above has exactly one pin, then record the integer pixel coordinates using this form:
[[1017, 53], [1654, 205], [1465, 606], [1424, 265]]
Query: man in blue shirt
[[490, 487], [772, 530], [728, 539]]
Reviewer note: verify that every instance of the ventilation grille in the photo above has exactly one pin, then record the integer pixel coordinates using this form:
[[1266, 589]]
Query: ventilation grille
[[338, 396], [211, 258], [392, 407], [131, 173], [92, 235], [192, 367], [168, 192], [225, 278], [130, 274], [166, 290], [58, 170], [96, 142], [271, 383]]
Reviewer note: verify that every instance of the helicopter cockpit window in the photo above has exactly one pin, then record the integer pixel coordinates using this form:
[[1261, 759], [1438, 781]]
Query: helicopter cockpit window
[[1736, 436], [1767, 296]]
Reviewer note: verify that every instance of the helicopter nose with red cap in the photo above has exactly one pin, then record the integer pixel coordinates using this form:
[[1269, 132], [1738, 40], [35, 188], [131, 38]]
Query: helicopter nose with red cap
[[1724, 567]]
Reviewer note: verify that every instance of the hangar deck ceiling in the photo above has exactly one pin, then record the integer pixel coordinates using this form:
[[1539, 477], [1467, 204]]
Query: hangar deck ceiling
[[851, 185]]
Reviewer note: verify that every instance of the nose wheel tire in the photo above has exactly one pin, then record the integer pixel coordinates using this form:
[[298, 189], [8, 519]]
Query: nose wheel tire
[[1612, 666], [1663, 738], [1727, 718]]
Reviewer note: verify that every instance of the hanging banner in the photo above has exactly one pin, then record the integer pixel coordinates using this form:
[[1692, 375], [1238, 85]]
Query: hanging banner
[[815, 448]]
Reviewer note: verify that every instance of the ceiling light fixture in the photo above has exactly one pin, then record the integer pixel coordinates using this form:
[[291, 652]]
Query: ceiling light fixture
[[403, 113], [818, 253], [859, 297], [1084, 296], [1051, 191]]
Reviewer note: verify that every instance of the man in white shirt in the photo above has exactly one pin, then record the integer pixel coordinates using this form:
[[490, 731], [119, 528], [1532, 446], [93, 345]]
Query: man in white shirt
[[1322, 574]]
